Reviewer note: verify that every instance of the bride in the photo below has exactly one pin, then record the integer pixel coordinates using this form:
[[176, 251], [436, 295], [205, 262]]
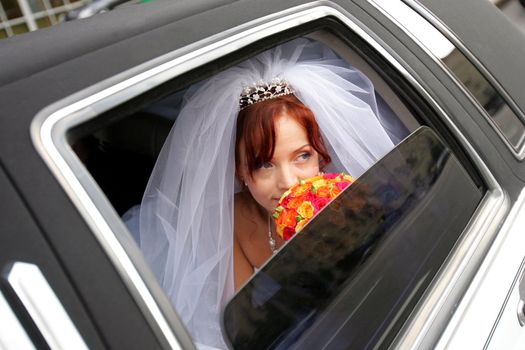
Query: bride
[[242, 138]]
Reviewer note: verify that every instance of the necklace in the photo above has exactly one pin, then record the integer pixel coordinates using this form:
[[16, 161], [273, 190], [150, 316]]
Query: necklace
[[271, 241]]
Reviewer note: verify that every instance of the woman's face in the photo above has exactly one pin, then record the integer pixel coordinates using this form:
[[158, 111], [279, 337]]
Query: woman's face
[[293, 159]]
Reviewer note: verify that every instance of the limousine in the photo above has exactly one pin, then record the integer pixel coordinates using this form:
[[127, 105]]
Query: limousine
[[434, 260]]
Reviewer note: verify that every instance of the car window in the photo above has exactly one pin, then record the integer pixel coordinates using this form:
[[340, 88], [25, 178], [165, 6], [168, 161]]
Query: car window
[[350, 278]]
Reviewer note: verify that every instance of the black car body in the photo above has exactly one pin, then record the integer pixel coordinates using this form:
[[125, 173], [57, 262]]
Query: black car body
[[61, 233]]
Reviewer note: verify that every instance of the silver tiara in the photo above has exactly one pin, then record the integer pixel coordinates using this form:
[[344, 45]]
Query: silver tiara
[[262, 91]]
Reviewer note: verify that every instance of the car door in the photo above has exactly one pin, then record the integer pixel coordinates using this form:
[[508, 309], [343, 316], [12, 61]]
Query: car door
[[40, 308], [107, 68], [492, 305]]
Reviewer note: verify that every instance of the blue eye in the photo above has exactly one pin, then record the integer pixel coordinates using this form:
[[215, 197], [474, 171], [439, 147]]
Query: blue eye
[[266, 165], [304, 156]]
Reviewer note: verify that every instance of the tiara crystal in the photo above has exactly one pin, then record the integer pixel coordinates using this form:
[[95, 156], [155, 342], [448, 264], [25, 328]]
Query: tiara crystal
[[262, 91]]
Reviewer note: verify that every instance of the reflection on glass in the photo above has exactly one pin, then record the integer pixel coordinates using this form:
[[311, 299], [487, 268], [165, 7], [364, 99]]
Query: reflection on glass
[[353, 274], [507, 122], [509, 125]]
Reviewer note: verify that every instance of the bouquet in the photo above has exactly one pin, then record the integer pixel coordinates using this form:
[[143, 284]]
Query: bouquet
[[301, 202]]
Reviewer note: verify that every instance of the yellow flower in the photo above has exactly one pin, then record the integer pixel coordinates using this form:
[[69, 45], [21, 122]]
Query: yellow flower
[[280, 229], [318, 183], [306, 210], [300, 225], [316, 178]]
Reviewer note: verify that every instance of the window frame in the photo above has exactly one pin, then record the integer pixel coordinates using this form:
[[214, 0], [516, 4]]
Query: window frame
[[421, 13], [49, 133]]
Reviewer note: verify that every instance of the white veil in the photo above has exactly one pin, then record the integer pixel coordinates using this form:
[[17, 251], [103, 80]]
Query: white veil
[[186, 216]]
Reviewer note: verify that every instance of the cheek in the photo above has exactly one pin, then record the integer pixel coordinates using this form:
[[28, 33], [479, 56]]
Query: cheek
[[311, 168], [258, 188], [310, 172], [261, 191]]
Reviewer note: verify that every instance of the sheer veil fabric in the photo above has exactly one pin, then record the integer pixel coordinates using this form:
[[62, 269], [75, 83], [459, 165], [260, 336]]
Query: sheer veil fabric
[[186, 215]]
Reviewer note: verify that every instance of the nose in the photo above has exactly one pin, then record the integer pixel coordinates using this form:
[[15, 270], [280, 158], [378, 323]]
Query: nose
[[287, 178]]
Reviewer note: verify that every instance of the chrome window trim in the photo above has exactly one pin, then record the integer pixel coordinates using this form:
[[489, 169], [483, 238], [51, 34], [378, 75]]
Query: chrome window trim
[[49, 127], [43, 306], [421, 10]]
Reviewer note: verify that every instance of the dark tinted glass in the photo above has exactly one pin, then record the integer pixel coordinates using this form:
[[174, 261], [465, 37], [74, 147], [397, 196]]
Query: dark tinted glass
[[352, 276]]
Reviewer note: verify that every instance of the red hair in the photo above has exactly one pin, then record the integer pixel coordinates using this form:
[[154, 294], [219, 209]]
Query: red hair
[[256, 130]]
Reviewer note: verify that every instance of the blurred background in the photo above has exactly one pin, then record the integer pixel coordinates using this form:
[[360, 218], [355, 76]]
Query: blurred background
[[21, 16]]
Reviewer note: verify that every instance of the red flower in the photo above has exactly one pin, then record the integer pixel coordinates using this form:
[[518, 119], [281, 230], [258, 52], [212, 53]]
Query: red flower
[[288, 232], [342, 185], [320, 203]]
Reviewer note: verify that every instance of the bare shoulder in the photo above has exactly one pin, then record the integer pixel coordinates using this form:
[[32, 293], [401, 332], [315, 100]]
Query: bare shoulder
[[246, 225], [243, 268], [244, 214]]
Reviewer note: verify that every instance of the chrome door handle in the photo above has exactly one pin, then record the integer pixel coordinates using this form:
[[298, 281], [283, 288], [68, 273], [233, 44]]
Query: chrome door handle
[[43, 306], [521, 303], [13, 334]]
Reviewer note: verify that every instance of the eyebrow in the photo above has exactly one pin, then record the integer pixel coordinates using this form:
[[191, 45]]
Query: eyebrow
[[297, 150], [303, 146]]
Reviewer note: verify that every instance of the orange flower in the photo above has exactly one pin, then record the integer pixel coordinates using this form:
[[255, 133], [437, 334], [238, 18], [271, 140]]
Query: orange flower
[[334, 191], [288, 219], [323, 192], [294, 203], [301, 189]]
